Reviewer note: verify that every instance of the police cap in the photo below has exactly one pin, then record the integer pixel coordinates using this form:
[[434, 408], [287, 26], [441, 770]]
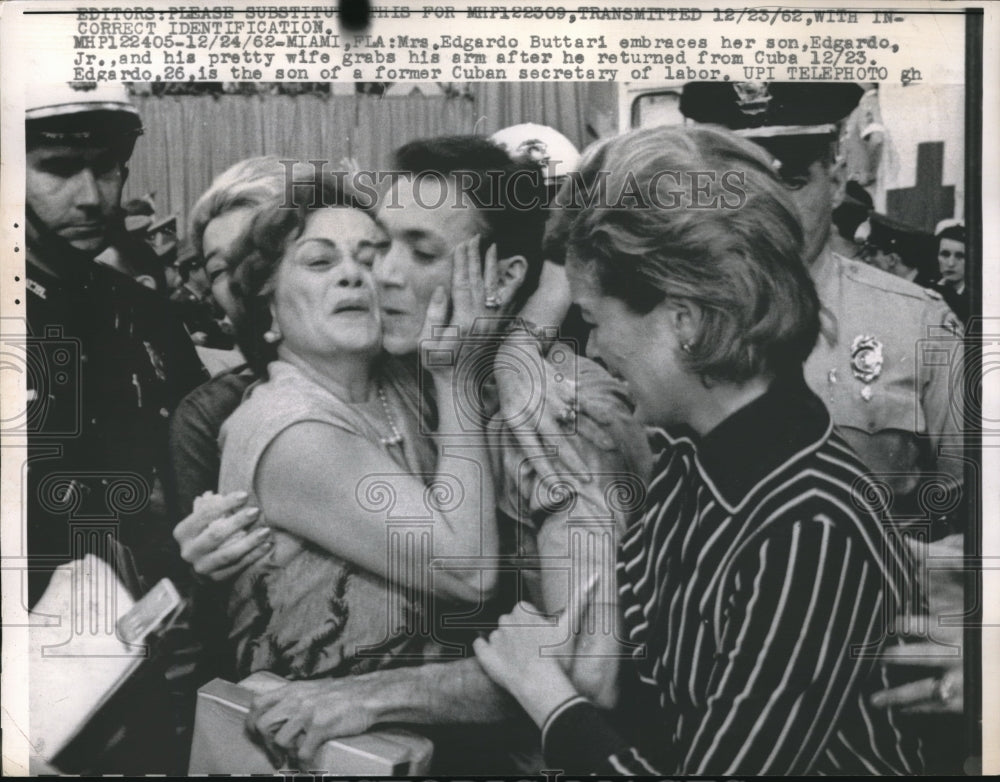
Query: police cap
[[760, 109], [895, 236], [82, 113]]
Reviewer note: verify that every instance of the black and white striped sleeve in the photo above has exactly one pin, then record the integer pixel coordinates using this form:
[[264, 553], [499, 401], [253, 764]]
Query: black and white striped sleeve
[[799, 607], [802, 603], [578, 739]]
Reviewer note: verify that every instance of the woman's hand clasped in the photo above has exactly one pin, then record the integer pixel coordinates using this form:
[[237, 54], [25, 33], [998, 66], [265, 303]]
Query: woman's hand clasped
[[214, 539], [520, 657]]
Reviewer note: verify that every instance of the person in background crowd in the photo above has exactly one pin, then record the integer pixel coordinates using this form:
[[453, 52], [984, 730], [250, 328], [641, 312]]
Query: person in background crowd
[[557, 158], [136, 360], [951, 267], [898, 248], [127, 250], [218, 219], [193, 299], [751, 579], [902, 415], [125, 360]]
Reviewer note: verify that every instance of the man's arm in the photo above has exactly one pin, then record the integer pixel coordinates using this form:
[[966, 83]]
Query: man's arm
[[300, 716]]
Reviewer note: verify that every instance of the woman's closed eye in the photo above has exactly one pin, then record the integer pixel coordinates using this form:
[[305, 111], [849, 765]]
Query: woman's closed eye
[[215, 270], [318, 255], [366, 253], [425, 252]]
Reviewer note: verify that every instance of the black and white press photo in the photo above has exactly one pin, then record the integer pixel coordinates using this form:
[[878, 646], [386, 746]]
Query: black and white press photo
[[471, 390]]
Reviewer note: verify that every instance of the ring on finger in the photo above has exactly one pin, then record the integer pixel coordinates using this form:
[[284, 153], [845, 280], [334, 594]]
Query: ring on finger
[[492, 302], [567, 416]]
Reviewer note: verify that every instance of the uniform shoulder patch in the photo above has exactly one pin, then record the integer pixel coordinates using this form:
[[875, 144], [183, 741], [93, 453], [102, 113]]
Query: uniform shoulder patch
[[863, 274]]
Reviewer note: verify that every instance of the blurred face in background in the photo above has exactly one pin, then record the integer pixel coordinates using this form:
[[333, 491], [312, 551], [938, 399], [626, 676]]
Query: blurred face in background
[[217, 244], [879, 258], [951, 261], [75, 190]]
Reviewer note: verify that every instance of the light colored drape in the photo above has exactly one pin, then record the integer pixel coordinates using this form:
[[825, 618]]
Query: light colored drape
[[190, 139]]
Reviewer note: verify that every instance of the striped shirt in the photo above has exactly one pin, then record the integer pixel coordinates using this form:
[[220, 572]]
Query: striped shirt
[[756, 591]]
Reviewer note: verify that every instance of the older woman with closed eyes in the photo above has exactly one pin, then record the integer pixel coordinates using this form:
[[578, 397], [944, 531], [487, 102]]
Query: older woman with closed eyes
[[309, 437]]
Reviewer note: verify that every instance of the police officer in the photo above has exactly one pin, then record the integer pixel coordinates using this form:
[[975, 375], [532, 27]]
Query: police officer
[[888, 363], [112, 360], [899, 249], [193, 301]]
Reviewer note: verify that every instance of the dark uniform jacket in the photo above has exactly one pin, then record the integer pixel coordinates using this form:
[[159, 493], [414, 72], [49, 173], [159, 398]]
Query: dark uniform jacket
[[109, 362]]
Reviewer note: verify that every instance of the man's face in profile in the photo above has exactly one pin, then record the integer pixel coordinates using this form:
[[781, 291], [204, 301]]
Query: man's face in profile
[[75, 191], [426, 218], [812, 178]]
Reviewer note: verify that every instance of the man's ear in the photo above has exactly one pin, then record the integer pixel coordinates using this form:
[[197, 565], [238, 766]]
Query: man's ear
[[510, 276], [837, 171]]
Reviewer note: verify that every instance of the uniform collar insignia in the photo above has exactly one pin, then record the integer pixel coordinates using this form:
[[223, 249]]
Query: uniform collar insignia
[[36, 287], [752, 97]]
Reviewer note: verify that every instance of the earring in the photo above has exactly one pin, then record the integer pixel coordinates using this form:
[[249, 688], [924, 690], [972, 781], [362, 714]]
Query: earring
[[686, 347], [272, 335]]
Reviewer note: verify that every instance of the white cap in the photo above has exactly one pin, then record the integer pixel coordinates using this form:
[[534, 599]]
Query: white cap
[[948, 223], [65, 98], [539, 144]]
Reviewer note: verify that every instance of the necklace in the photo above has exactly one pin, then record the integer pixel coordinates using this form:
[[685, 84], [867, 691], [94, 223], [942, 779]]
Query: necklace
[[396, 437]]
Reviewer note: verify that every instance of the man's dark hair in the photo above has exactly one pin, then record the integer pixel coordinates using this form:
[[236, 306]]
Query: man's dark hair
[[509, 196]]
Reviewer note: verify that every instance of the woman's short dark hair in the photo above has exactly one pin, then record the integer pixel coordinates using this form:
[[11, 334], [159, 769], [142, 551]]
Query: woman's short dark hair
[[954, 232], [258, 253], [697, 215]]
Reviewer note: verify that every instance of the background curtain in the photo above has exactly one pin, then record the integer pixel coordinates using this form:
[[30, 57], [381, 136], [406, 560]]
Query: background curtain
[[190, 139]]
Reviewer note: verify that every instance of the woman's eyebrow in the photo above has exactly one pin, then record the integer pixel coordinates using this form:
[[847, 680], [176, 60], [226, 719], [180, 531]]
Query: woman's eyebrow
[[327, 242]]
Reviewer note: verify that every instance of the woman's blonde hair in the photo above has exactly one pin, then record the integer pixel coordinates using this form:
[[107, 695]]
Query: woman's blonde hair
[[251, 183], [697, 215]]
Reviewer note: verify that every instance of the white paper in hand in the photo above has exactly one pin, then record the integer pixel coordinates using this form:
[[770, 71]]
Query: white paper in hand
[[79, 659]]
